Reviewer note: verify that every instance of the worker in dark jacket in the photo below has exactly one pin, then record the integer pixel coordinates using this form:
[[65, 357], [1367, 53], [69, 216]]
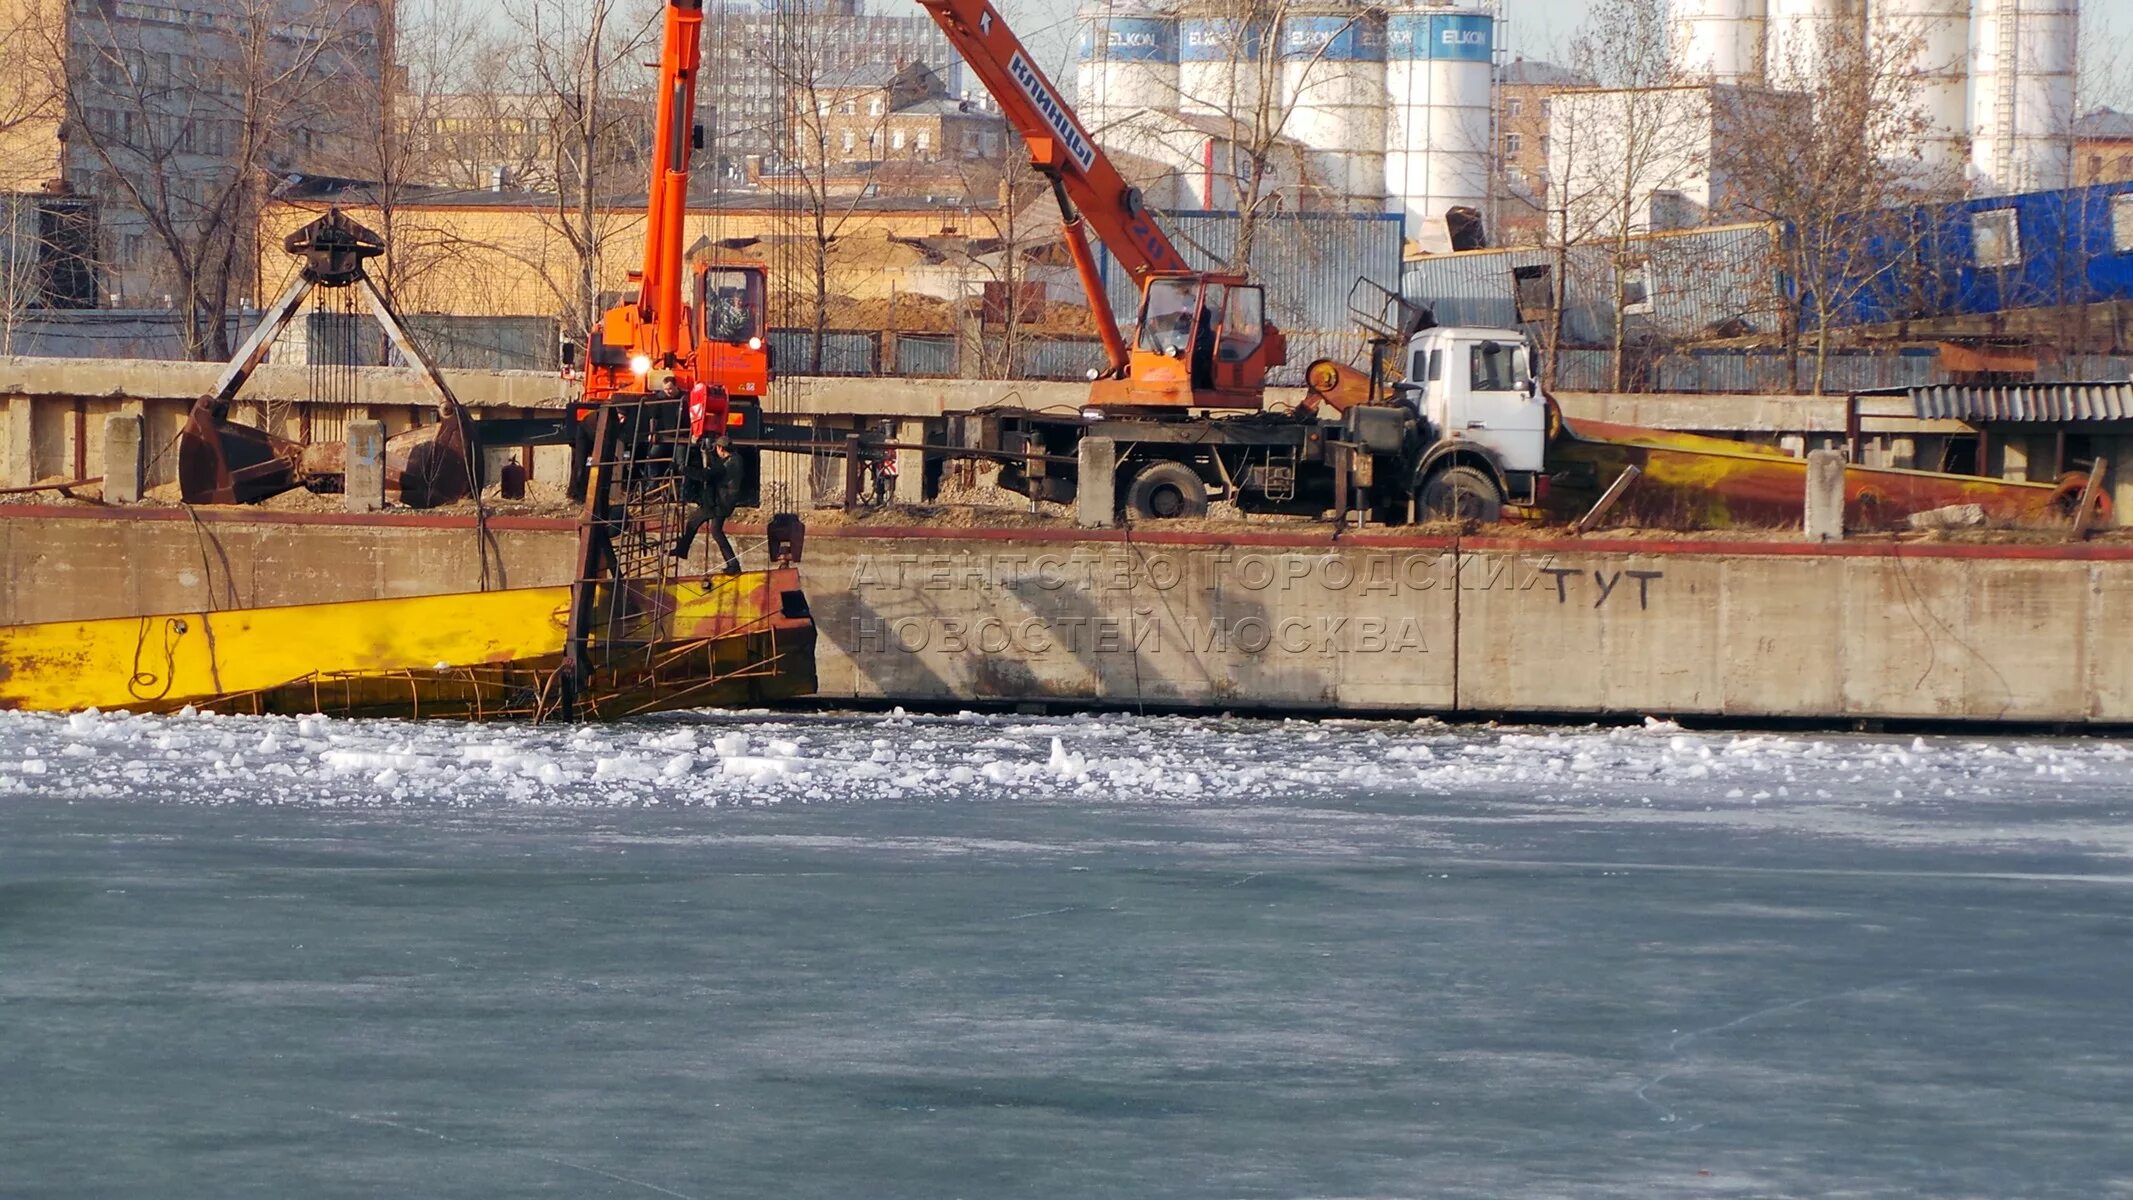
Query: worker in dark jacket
[[715, 478]]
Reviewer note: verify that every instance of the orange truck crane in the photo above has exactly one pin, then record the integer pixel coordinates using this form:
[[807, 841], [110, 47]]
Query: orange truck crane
[[713, 340], [1202, 339]]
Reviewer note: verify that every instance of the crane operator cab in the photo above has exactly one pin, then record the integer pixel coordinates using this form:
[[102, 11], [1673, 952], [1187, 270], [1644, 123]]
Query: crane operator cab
[[732, 352], [1203, 341]]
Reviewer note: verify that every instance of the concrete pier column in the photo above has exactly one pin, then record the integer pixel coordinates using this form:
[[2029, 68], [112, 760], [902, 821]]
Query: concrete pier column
[[364, 466], [1096, 489], [1824, 519], [18, 447], [123, 461], [911, 464], [2013, 453]]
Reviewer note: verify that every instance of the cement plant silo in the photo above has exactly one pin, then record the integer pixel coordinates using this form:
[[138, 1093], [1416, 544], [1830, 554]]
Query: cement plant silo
[[1129, 63], [2022, 94], [1805, 39], [1220, 60], [1719, 40], [1934, 36], [1439, 144], [1333, 85]]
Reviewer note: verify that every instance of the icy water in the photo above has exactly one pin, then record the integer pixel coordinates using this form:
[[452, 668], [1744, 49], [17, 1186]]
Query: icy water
[[737, 956]]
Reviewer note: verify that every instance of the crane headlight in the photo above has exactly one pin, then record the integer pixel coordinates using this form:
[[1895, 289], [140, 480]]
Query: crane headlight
[[640, 364], [755, 343]]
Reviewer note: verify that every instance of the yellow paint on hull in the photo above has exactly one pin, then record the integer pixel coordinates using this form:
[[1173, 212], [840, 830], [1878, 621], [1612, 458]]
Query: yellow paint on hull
[[417, 655], [1694, 482]]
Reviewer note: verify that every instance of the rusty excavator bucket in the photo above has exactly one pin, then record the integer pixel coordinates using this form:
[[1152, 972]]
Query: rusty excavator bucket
[[224, 462]]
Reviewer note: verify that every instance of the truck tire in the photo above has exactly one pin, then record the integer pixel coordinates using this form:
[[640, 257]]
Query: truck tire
[[1461, 494], [1163, 490]]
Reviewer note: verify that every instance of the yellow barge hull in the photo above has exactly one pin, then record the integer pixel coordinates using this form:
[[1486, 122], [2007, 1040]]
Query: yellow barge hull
[[740, 639]]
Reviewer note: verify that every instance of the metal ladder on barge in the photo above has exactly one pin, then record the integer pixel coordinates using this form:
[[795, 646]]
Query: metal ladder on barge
[[634, 510]]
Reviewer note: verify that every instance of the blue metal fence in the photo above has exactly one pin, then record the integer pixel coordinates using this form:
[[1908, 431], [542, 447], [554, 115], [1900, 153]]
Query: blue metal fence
[[1058, 357], [844, 352], [1751, 372], [926, 355]]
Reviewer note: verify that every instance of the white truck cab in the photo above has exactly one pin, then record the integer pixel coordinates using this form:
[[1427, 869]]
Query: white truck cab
[[1477, 385]]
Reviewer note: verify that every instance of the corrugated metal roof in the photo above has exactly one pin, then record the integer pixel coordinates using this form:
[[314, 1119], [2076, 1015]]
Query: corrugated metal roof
[[2025, 402], [1721, 280], [2104, 124]]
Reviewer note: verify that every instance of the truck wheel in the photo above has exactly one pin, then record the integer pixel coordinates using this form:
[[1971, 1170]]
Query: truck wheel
[[1462, 494], [1163, 490]]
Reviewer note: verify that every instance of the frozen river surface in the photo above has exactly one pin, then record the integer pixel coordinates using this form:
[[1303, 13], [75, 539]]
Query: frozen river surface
[[738, 956]]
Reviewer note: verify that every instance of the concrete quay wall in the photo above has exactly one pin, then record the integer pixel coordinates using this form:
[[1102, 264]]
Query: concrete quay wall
[[1261, 622]]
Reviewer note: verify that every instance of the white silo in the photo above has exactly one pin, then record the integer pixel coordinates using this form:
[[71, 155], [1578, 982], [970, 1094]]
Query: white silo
[[1129, 63], [1720, 40], [1803, 40], [1439, 144], [1934, 37], [1220, 60], [2022, 94], [1333, 86]]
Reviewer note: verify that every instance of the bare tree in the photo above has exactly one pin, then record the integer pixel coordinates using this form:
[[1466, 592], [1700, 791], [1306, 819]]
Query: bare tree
[[1837, 168], [1256, 163], [31, 104], [184, 135], [47, 237], [836, 120], [1616, 152], [583, 58], [1002, 236], [482, 124], [401, 157]]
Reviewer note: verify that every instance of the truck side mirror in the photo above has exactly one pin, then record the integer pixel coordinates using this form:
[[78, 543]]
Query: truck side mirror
[[570, 353]]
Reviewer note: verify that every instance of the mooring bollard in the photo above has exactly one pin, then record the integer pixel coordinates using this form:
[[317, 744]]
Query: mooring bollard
[[123, 463], [1823, 519], [363, 466]]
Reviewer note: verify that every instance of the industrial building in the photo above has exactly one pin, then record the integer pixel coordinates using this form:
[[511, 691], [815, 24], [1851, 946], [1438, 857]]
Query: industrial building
[[2031, 286], [184, 107], [1992, 80], [754, 56], [1409, 108], [1365, 109]]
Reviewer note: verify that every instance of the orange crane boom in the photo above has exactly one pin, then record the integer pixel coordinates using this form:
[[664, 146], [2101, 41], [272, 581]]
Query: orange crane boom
[[706, 327], [1202, 340], [659, 298]]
